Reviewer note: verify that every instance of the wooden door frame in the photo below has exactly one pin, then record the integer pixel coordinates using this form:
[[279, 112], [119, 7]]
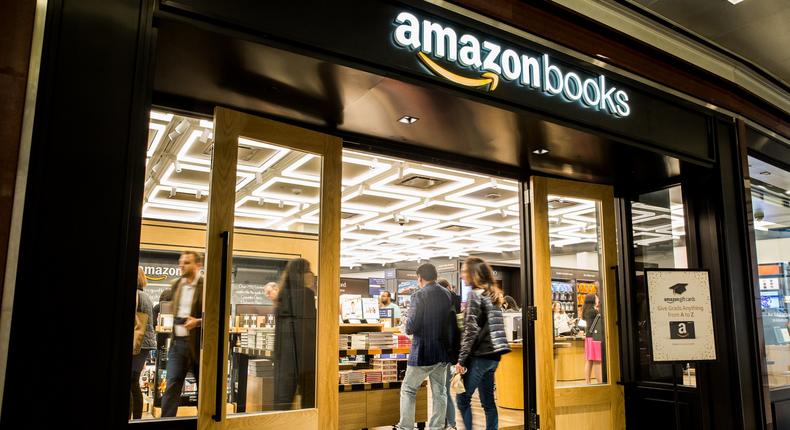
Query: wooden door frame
[[547, 398], [228, 126]]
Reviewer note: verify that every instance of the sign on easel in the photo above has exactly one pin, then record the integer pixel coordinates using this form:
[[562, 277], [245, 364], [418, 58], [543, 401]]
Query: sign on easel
[[681, 318]]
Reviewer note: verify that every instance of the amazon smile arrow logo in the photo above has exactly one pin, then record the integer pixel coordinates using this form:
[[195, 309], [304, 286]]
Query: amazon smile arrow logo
[[489, 79], [434, 42]]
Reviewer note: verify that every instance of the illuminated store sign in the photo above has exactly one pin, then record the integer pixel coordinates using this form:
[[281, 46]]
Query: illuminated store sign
[[437, 45]]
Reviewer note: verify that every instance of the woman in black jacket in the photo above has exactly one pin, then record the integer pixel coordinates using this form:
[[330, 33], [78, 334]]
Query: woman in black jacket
[[295, 337], [483, 341]]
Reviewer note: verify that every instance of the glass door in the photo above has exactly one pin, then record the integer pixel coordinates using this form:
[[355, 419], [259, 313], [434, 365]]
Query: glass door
[[574, 257], [270, 327]]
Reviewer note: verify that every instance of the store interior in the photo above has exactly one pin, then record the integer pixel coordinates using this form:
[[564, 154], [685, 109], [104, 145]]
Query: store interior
[[771, 209], [396, 214]]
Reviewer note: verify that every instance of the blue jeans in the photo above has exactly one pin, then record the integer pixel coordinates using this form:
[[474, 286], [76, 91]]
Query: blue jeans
[[479, 375], [415, 375], [179, 362], [450, 415]]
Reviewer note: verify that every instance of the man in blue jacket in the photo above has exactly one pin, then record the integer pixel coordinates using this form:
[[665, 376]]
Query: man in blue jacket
[[431, 322]]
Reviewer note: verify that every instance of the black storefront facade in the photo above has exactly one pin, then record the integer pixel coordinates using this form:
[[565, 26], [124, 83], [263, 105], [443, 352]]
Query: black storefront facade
[[308, 64]]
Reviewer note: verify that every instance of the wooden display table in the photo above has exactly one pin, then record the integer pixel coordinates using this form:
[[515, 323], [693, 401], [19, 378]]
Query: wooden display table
[[367, 407], [509, 378], [569, 358]]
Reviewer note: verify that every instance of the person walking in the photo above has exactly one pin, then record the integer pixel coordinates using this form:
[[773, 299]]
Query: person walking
[[184, 352], [429, 321], [450, 422], [148, 344], [483, 341], [593, 338], [295, 337]]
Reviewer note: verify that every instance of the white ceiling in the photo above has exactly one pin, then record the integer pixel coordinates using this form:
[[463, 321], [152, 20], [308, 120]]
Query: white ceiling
[[392, 210], [757, 30]]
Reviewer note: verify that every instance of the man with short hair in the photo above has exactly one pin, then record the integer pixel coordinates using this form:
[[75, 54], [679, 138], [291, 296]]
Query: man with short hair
[[429, 323], [386, 303], [270, 290], [184, 353]]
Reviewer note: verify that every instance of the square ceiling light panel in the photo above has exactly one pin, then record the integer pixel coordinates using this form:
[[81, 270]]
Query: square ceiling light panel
[[400, 223], [443, 211], [266, 208], [290, 190], [178, 197], [456, 229], [197, 177], [173, 213], [375, 201], [495, 218], [493, 194], [421, 182], [358, 168]]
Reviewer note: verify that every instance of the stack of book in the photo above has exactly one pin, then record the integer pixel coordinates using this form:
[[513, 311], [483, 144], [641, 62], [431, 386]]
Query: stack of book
[[352, 377], [344, 342], [373, 376], [359, 341], [376, 340], [388, 368]]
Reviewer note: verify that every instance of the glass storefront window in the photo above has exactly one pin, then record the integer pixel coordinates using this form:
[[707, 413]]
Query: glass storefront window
[[578, 299], [771, 211], [659, 238]]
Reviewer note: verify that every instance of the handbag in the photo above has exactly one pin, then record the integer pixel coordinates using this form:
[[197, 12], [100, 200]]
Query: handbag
[[457, 383], [140, 324]]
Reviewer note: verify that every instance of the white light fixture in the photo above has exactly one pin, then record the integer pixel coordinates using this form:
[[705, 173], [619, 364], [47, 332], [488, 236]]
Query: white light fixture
[[160, 116], [734, 1], [540, 151], [408, 119]]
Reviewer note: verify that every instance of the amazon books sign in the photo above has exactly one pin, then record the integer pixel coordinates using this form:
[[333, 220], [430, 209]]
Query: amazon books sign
[[466, 60], [681, 321]]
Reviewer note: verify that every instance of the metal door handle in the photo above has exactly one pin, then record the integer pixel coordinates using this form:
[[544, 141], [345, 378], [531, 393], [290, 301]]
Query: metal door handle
[[223, 288]]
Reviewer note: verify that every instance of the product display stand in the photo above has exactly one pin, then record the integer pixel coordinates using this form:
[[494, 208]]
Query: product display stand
[[377, 404]]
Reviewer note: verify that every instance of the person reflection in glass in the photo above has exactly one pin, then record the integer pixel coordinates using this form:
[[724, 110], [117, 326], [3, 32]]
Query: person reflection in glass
[[593, 340], [295, 337]]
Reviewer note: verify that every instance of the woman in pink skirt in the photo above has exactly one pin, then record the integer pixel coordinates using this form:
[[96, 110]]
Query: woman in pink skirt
[[591, 313]]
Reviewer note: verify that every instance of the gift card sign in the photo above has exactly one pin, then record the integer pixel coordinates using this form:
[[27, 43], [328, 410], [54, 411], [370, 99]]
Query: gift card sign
[[681, 319]]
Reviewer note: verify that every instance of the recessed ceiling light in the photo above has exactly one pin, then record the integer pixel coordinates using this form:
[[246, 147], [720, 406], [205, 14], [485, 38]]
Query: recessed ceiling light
[[602, 56], [734, 1], [766, 173], [407, 119], [541, 151]]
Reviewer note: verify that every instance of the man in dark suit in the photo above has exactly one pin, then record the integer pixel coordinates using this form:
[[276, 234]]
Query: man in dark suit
[[431, 322], [184, 352]]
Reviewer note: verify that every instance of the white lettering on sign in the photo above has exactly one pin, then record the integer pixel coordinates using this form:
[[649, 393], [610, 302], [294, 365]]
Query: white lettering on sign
[[432, 41]]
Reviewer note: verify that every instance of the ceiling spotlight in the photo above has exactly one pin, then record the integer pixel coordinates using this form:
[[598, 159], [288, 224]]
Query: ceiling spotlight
[[541, 151], [407, 119], [173, 192], [198, 194], [765, 173], [178, 167], [734, 1]]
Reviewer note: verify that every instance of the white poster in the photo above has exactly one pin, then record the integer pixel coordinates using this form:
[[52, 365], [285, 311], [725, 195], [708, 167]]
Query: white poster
[[681, 319]]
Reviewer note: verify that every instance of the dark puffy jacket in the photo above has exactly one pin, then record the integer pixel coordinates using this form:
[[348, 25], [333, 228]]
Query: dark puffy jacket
[[484, 328]]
